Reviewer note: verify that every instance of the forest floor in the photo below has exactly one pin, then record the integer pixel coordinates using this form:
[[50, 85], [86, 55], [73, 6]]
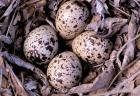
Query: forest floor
[[115, 19]]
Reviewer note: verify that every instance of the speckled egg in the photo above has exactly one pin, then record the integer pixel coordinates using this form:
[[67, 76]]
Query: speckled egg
[[92, 49], [41, 45], [72, 18], [64, 71]]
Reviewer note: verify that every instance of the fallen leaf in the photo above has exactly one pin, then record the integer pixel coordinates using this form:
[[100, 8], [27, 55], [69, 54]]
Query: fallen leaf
[[136, 91], [60, 95], [12, 30], [117, 3], [11, 7], [83, 88], [17, 18], [94, 24], [28, 12], [133, 69], [28, 27], [6, 92], [5, 39], [99, 7], [113, 25], [18, 44], [16, 83], [2, 3], [104, 79], [19, 62], [130, 50], [1, 70], [101, 81]]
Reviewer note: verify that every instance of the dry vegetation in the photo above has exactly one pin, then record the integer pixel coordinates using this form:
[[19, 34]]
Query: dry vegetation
[[118, 76]]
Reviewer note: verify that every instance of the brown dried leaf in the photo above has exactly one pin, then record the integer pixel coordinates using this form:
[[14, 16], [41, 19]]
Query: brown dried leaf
[[117, 3], [133, 69], [31, 86], [91, 76], [127, 83], [11, 7], [129, 45], [18, 44], [1, 70], [40, 5], [5, 83], [28, 27], [4, 25], [125, 86], [19, 62], [5, 39], [16, 84], [17, 18], [113, 56], [113, 25], [12, 30], [28, 12], [53, 4], [6, 92], [45, 90], [94, 24], [130, 50], [98, 91], [136, 91], [83, 88], [60, 95], [50, 23], [3, 3], [16, 60], [99, 7], [112, 93], [137, 81], [102, 81]]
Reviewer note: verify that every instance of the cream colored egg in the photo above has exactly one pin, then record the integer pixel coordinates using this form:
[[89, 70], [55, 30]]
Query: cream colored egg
[[72, 18], [92, 49], [64, 71], [41, 45]]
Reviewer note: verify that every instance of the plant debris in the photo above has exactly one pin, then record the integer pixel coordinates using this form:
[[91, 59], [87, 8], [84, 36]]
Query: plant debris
[[118, 20]]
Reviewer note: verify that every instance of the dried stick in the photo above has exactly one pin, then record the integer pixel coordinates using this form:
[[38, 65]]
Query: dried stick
[[137, 2], [121, 71], [124, 46], [119, 87], [19, 62], [16, 83], [130, 50], [123, 12], [112, 92]]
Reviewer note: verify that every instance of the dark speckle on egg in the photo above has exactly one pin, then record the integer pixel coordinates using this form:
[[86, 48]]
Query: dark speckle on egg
[[49, 48], [52, 40], [59, 80], [91, 48], [74, 26], [99, 56], [40, 42], [59, 74], [41, 45], [68, 7], [66, 73], [74, 15]]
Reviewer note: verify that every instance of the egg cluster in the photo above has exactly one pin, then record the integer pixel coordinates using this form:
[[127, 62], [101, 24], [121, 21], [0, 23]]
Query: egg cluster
[[64, 69]]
